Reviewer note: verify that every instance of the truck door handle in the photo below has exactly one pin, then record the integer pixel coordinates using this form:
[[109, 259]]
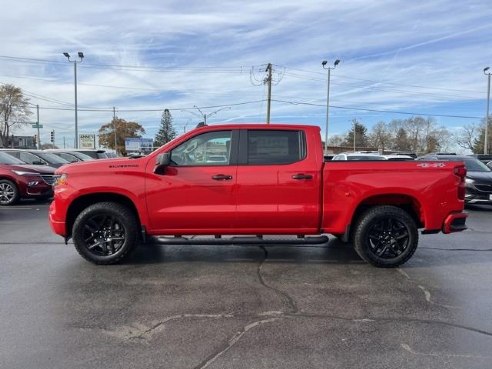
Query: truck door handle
[[302, 176], [222, 177]]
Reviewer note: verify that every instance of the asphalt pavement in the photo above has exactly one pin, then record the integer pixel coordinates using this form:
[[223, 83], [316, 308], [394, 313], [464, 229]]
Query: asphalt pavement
[[243, 306]]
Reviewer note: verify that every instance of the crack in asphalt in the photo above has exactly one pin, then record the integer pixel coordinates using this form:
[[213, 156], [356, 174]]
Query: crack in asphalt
[[427, 294], [232, 341], [461, 249], [407, 347], [291, 302]]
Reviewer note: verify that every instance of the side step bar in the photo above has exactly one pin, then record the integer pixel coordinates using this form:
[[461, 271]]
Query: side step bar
[[239, 241]]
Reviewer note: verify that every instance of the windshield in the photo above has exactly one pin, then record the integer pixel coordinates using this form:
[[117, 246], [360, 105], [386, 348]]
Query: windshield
[[51, 158], [475, 165], [80, 155], [10, 160]]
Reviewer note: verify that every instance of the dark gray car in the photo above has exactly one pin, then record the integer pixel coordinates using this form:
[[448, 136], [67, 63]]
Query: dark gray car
[[37, 157], [478, 182]]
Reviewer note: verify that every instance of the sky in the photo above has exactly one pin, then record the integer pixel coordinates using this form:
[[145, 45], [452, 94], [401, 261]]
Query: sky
[[397, 59]]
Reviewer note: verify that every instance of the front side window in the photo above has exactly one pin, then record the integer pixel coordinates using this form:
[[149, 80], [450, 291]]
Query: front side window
[[212, 148], [275, 147]]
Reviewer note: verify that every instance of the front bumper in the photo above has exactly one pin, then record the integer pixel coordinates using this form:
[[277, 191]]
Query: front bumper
[[57, 226], [478, 193]]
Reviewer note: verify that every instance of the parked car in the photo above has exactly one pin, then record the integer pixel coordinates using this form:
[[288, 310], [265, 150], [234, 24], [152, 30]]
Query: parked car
[[36, 157], [365, 156], [93, 153], [478, 181], [484, 158], [397, 157], [20, 180], [489, 164], [70, 156]]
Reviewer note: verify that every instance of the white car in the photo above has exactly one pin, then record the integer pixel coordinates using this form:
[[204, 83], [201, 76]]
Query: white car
[[358, 156]]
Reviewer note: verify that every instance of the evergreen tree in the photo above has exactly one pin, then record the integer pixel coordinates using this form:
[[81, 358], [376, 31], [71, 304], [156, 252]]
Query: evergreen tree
[[166, 131], [361, 139]]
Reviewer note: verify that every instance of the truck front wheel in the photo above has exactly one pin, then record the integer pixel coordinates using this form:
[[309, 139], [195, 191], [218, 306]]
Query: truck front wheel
[[385, 236], [105, 232]]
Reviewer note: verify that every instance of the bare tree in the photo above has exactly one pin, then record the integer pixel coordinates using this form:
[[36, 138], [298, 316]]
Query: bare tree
[[14, 110], [466, 136], [380, 136], [336, 140]]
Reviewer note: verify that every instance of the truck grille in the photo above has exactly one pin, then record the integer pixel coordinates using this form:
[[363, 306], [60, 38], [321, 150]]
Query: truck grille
[[49, 179], [484, 187]]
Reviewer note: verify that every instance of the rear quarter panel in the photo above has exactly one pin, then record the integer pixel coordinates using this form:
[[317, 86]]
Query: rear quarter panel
[[430, 188]]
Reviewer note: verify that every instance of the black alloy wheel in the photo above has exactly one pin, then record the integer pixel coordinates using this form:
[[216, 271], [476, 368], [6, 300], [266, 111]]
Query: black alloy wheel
[[105, 233], [9, 194], [386, 236]]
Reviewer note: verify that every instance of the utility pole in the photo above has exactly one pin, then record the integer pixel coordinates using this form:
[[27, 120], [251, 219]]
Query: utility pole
[[486, 139], [114, 129], [355, 125], [269, 99], [38, 144], [273, 77]]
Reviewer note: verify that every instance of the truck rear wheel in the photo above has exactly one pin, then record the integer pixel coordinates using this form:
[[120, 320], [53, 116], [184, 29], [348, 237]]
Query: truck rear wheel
[[105, 233], [385, 236]]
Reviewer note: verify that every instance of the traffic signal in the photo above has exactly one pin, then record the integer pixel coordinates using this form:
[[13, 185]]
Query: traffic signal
[[53, 136]]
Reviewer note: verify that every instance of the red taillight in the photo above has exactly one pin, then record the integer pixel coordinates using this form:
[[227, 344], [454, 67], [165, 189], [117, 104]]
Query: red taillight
[[460, 171]]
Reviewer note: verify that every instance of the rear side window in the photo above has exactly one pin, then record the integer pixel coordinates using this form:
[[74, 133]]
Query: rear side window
[[275, 147]]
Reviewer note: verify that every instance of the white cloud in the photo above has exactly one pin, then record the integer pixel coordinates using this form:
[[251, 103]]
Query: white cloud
[[197, 49]]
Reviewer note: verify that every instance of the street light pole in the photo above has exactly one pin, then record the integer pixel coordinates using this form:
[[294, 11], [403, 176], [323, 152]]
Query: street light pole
[[205, 116], [323, 63], [75, 61], [486, 138]]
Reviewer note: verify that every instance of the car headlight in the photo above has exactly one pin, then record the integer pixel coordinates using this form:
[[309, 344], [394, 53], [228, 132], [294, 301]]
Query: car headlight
[[24, 173], [61, 179], [469, 181]]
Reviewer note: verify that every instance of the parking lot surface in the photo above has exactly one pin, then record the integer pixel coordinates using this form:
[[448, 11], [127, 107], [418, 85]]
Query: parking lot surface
[[243, 307]]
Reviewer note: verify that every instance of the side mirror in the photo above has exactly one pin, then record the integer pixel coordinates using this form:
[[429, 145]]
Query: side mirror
[[162, 161]]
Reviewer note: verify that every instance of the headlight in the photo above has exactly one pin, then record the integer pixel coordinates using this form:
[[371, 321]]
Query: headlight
[[469, 181], [23, 173], [61, 179]]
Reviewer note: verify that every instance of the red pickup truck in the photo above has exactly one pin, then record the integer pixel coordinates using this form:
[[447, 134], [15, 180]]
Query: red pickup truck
[[255, 180]]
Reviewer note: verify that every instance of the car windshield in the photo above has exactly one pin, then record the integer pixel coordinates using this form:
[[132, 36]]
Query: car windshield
[[9, 159], [475, 165], [51, 158], [80, 155]]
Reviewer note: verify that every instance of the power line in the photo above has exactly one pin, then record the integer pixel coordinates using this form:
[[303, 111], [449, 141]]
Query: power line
[[381, 82], [202, 69], [377, 110], [211, 69], [276, 100], [149, 110]]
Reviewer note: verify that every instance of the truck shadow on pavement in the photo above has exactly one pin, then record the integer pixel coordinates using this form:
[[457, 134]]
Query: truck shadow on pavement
[[333, 252]]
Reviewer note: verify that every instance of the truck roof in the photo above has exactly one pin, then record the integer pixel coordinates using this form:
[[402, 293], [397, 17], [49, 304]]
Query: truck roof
[[260, 126]]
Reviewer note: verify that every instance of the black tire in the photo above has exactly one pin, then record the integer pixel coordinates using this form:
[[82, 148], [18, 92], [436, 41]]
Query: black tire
[[385, 236], [9, 193], [105, 233]]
